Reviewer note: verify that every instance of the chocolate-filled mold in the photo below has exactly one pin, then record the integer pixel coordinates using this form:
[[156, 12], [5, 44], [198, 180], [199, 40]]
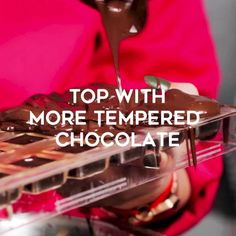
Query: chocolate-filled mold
[[73, 149], [19, 116], [9, 196], [128, 156], [89, 170], [46, 103], [24, 139], [32, 162], [46, 184], [81, 163]]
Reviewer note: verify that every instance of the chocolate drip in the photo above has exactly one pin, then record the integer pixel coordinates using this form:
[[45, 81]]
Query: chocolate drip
[[226, 126], [121, 19], [24, 139], [191, 132], [188, 149]]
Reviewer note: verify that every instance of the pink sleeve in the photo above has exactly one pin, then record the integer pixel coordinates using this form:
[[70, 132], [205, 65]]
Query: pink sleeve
[[42, 44]]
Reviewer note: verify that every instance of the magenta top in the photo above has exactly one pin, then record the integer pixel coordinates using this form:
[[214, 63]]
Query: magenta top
[[53, 45]]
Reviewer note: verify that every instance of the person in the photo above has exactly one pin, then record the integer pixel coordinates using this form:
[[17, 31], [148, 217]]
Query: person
[[55, 45]]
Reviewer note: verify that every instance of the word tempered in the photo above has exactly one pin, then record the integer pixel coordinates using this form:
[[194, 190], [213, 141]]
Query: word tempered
[[114, 117]]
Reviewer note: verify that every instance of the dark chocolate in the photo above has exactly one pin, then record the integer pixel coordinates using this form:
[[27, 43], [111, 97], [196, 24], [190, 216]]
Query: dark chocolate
[[32, 161], [24, 139], [175, 100], [121, 19], [226, 128], [178, 100], [3, 175], [74, 149], [191, 132]]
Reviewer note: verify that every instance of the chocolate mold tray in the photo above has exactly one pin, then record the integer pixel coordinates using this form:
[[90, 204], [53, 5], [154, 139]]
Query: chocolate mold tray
[[33, 164]]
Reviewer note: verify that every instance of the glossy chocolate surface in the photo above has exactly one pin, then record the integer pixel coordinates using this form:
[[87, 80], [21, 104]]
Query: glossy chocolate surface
[[178, 100], [32, 161], [175, 100], [121, 19]]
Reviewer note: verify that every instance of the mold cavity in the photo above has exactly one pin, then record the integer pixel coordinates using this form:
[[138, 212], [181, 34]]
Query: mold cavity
[[24, 139], [32, 161]]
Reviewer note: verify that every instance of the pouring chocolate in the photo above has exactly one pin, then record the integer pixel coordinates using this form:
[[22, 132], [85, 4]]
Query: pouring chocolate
[[121, 19]]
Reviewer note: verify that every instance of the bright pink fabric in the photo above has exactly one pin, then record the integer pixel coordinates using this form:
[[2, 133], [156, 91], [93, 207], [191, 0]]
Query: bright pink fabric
[[50, 46]]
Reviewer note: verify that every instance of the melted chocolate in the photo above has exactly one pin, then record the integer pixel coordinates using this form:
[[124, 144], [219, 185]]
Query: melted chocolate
[[121, 19], [3, 175], [226, 127], [175, 100], [32, 161], [191, 136]]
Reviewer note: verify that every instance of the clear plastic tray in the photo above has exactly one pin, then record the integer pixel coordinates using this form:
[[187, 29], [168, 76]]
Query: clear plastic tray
[[32, 168]]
